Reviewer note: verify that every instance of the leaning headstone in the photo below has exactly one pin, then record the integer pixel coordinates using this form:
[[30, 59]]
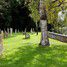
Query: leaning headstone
[[11, 31], [27, 36], [8, 30], [1, 44]]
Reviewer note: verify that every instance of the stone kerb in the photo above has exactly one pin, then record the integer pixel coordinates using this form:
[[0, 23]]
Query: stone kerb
[[60, 37]]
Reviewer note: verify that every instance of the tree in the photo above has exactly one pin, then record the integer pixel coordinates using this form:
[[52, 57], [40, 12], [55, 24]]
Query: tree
[[33, 7], [48, 7], [43, 24]]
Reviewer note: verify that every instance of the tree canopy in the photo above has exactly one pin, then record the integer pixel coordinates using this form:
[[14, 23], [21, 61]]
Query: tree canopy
[[22, 14]]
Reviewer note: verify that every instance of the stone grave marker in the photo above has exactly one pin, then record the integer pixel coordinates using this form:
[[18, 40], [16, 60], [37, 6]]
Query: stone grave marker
[[1, 44], [11, 31], [24, 32], [8, 30], [31, 31], [27, 36], [18, 30], [15, 31], [2, 33], [6, 34]]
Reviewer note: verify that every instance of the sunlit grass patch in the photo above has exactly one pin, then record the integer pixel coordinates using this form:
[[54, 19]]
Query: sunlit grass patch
[[20, 52]]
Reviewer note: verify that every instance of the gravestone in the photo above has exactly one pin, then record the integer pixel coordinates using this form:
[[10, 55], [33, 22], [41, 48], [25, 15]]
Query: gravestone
[[11, 31], [24, 32], [8, 30], [18, 30], [6, 34], [1, 44], [2, 33], [15, 31], [31, 31], [27, 36]]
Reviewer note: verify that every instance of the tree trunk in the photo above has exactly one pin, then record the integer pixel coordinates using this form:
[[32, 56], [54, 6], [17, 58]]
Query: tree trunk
[[36, 28], [43, 24]]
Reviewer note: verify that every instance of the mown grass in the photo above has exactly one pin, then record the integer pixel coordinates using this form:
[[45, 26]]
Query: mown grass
[[21, 52]]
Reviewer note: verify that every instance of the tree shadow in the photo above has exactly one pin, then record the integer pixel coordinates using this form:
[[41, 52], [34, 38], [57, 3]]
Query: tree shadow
[[36, 56]]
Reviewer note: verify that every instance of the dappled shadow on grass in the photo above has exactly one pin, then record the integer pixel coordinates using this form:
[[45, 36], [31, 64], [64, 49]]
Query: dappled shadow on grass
[[36, 56]]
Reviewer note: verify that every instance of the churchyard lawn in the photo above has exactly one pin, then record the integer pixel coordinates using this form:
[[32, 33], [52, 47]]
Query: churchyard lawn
[[21, 52]]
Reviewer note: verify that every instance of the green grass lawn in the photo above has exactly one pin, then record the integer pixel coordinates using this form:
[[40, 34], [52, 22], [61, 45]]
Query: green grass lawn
[[20, 52]]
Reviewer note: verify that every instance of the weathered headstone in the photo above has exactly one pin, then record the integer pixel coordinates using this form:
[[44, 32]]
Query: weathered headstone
[[18, 30], [1, 44], [8, 30], [15, 31], [24, 32], [2, 33], [6, 34], [11, 31], [27, 36], [31, 31]]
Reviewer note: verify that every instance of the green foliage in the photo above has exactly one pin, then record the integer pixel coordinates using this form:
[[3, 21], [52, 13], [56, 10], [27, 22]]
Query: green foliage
[[10, 12], [33, 7]]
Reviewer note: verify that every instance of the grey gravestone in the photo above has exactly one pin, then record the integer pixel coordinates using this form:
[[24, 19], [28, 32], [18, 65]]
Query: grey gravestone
[[24, 32], [15, 31], [31, 31], [8, 30], [6, 34], [11, 31], [18, 30], [27, 36], [1, 44], [2, 33]]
